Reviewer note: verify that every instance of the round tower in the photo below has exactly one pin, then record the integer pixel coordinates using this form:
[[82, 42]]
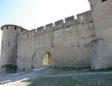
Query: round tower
[[9, 47], [102, 20]]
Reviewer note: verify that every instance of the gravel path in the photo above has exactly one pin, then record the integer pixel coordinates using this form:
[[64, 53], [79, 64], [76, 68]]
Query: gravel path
[[16, 78]]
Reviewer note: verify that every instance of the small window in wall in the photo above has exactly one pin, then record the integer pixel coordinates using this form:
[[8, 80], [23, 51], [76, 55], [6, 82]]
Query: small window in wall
[[21, 30], [104, 0], [15, 28], [32, 67], [7, 27]]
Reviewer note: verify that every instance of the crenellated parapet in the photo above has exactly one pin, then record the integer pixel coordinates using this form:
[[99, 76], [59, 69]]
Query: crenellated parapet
[[40, 29], [69, 21], [84, 17], [49, 26], [33, 30], [59, 24], [14, 27]]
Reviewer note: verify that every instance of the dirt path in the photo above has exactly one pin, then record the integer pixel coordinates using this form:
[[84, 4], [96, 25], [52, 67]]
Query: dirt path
[[18, 78], [17, 83]]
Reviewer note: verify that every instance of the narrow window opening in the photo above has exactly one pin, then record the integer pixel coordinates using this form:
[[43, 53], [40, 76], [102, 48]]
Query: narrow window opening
[[21, 30], [104, 0], [32, 66], [15, 28], [7, 27]]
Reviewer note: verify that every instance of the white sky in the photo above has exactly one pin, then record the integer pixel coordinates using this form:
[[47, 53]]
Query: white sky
[[34, 13]]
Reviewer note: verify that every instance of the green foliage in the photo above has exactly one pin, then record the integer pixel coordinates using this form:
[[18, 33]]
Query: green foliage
[[81, 69], [0, 82], [101, 70], [70, 68]]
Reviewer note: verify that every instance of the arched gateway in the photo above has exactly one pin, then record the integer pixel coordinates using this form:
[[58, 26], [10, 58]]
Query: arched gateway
[[47, 59]]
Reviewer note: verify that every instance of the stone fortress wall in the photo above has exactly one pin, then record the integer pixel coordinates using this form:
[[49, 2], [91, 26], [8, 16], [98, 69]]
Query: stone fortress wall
[[67, 42], [102, 46], [70, 42], [9, 44]]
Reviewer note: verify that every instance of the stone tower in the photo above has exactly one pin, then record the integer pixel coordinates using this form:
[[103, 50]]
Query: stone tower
[[102, 20], [9, 47]]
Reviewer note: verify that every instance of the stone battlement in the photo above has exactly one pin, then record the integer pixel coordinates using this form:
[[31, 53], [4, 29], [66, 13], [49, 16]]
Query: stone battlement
[[9, 26], [82, 18]]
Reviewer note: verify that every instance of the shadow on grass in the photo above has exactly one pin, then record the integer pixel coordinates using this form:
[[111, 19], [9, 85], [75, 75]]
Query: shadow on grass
[[66, 76], [91, 78], [72, 80], [79, 69], [101, 70]]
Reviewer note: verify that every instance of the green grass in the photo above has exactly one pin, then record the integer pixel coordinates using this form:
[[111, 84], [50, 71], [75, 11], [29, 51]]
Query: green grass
[[0, 82], [82, 68], [94, 79], [67, 70], [101, 70], [70, 68], [73, 77]]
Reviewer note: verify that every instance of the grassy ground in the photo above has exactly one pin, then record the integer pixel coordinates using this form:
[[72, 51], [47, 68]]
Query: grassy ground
[[85, 79], [65, 77], [73, 77]]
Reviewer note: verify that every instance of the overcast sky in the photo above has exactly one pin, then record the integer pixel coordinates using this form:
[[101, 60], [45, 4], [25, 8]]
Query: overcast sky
[[31, 14]]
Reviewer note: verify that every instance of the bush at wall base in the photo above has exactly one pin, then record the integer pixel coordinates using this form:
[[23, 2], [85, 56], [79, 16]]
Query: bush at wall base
[[9, 68]]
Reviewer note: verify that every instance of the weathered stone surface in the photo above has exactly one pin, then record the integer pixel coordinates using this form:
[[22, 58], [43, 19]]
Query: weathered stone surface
[[82, 42], [102, 18]]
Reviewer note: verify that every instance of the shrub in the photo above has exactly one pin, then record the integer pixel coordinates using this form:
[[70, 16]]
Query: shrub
[[10, 67]]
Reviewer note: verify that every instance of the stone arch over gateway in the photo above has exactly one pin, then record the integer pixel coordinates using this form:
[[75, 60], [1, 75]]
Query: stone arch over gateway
[[42, 57]]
